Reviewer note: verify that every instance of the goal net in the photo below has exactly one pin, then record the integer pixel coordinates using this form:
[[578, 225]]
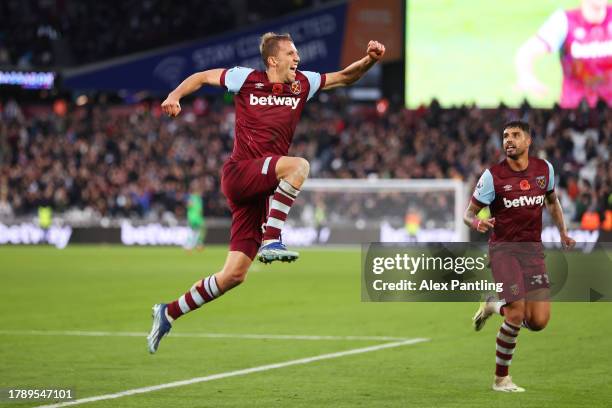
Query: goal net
[[353, 211]]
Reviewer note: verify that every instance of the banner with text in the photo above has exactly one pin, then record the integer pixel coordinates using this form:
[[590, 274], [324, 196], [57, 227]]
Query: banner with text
[[318, 35], [468, 272]]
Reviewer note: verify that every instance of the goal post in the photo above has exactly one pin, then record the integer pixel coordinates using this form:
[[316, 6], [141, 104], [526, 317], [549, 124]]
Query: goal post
[[373, 210]]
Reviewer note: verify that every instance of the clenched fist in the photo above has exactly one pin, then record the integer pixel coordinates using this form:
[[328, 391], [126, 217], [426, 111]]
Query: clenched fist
[[376, 50], [171, 106], [567, 242]]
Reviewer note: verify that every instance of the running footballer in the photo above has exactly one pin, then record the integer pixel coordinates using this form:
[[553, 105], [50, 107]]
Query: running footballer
[[516, 191]]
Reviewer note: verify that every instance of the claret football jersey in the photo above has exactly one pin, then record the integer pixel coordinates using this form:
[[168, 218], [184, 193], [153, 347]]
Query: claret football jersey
[[516, 199], [267, 113]]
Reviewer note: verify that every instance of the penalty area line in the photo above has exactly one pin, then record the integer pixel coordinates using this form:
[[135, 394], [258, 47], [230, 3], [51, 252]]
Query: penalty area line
[[237, 373]]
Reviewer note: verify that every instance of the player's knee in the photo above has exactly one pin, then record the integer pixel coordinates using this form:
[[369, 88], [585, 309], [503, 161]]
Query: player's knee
[[537, 323], [233, 273], [515, 314], [303, 166]]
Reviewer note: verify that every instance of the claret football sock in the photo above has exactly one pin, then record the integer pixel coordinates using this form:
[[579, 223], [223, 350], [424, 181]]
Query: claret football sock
[[506, 343], [283, 199], [204, 292]]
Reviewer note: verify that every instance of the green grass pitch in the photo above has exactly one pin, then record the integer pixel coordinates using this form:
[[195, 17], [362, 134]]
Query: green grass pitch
[[112, 289]]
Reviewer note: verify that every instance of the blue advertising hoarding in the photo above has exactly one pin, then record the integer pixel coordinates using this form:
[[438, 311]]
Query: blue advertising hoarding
[[318, 35]]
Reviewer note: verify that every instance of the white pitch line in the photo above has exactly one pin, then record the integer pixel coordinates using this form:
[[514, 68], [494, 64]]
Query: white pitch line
[[197, 335], [236, 373]]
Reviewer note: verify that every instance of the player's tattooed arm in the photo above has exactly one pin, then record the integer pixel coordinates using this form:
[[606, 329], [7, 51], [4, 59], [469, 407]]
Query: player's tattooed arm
[[171, 105], [470, 218], [357, 69], [556, 212]]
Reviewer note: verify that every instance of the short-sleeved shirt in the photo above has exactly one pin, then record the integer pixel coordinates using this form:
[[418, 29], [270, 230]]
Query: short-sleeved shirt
[[516, 199], [267, 113]]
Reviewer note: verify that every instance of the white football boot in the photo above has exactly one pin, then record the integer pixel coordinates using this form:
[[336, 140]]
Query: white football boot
[[505, 384], [486, 310]]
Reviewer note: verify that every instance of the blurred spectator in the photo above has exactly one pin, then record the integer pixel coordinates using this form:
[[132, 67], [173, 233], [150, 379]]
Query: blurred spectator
[[128, 161], [6, 210], [34, 32]]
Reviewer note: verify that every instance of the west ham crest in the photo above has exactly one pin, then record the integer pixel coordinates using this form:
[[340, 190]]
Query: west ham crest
[[296, 87], [541, 181]]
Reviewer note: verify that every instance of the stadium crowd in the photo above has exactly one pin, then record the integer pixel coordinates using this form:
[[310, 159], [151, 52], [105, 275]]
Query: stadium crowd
[[48, 33], [130, 161]]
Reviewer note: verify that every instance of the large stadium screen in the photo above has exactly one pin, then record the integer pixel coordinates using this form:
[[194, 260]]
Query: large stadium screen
[[464, 51]]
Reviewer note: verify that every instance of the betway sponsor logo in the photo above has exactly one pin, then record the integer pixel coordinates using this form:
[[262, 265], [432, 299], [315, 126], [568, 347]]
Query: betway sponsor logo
[[153, 234], [595, 49], [31, 234], [273, 100], [305, 236], [523, 201]]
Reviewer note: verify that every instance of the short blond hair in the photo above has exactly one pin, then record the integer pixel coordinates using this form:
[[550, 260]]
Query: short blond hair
[[269, 45]]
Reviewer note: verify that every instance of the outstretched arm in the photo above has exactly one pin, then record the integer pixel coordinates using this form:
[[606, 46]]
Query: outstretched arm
[[357, 69], [171, 105], [554, 207]]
